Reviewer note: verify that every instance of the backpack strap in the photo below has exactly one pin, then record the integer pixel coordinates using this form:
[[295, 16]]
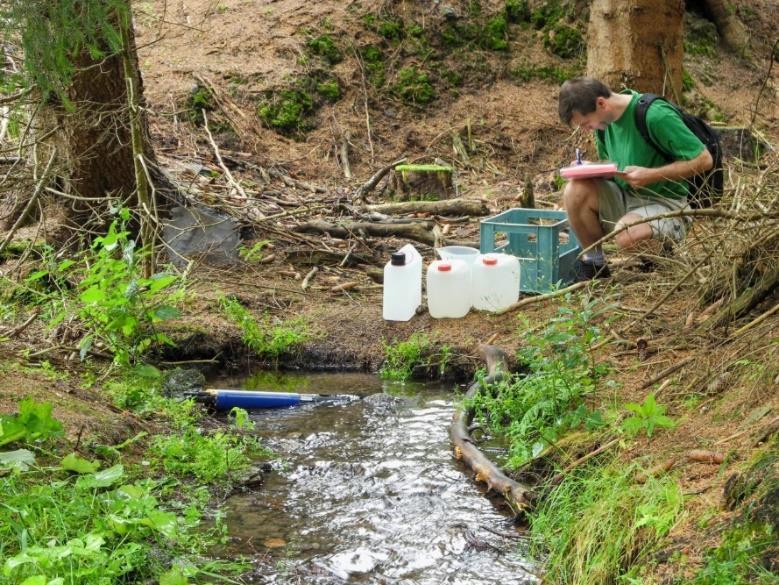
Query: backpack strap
[[642, 106]]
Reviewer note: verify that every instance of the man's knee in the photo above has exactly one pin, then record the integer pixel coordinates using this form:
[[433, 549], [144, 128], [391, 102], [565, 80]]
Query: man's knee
[[580, 195], [630, 236]]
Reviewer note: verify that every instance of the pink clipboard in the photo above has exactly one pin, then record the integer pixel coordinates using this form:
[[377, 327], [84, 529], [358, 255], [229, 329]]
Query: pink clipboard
[[590, 171]]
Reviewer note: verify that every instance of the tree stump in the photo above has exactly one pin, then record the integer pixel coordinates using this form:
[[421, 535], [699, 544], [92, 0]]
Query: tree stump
[[422, 182]]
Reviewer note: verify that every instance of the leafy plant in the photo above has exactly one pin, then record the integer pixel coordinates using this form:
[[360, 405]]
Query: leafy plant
[[33, 423], [647, 417], [253, 254], [533, 409], [401, 358], [738, 559], [208, 458], [324, 46], [117, 306], [264, 337]]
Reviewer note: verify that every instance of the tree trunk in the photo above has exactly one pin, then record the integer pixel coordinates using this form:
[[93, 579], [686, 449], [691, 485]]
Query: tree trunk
[[637, 44], [97, 138]]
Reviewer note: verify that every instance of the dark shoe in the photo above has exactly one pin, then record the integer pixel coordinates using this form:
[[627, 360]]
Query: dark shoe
[[588, 271]]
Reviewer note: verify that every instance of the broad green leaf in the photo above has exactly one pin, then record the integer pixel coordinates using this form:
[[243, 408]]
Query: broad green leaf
[[75, 463], [65, 264], [20, 459], [166, 312], [101, 479], [92, 295], [163, 522], [37, 275], [160, 281], [35, 580]]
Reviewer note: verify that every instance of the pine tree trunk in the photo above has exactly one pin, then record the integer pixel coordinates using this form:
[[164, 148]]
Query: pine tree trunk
[[96, 137], [637, 44]]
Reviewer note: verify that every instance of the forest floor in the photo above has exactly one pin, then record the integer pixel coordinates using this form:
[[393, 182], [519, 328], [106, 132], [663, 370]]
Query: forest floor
[[502, 106]]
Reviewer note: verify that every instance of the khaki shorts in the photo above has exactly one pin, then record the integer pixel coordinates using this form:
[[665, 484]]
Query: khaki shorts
[[614, 203]]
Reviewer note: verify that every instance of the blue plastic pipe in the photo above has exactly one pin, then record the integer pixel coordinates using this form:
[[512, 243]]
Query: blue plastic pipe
[[249, 399]]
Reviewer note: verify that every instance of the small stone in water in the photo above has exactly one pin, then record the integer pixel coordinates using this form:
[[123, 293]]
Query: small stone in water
[[274, 542]]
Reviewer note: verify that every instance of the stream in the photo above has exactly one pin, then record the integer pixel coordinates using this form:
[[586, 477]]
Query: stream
[[368, 492]]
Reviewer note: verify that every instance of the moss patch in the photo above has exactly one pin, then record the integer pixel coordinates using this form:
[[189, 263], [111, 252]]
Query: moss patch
[[289, 110], [324, 46], [413, 86], [564, 41]]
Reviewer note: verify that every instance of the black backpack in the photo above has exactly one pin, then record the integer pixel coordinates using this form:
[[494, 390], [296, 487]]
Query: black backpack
[[706, 188]]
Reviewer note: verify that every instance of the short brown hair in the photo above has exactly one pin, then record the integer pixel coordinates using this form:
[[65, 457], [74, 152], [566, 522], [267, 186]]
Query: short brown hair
[[579, 95]]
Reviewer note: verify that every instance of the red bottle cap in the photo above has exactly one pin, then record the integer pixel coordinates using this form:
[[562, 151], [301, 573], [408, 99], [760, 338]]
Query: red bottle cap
[[444, 267], [489, 260]]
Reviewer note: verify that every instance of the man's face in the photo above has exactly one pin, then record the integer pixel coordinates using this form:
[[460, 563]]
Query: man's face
[[597, 120]]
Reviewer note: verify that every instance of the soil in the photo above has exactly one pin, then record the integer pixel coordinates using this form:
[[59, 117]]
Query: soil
[[244, 49]]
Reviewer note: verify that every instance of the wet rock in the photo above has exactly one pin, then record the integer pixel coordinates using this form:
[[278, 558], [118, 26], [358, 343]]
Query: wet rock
[[181, 381]]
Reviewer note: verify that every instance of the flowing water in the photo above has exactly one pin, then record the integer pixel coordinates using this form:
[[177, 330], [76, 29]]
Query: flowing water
[[368, 492]]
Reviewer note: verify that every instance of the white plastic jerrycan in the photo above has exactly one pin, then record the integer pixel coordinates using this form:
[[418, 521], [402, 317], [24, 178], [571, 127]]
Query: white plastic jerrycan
[[495, 279], [448, 289], [402, 284]]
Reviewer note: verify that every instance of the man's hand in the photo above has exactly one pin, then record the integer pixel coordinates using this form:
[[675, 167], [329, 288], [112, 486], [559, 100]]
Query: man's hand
[[639, 176]]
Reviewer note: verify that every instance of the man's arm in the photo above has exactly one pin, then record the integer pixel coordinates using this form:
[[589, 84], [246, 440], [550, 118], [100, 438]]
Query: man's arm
[[681, 169]]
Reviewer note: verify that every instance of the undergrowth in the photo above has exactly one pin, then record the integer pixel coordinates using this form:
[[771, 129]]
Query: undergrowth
[[598, 523], [264, 336], [533, 409], [100, 516]]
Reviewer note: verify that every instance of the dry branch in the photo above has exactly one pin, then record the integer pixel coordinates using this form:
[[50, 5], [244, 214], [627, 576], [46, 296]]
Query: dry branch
[[666, 372], [530, 300], [371, 183]]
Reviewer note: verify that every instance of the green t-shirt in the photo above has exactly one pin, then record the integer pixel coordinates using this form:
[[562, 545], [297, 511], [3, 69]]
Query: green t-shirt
[[623, 144]]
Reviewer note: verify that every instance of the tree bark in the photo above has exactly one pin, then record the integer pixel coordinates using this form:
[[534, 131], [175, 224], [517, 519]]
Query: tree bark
[[637, 44], [96, 137]]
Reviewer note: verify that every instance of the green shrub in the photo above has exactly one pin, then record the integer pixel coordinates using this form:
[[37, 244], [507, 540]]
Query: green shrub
[[200, 99], [373, 60], [33, 422], [533, 409], [517, 11], [494, 34], [329, 90], [116, 305], [208, 458], [413, 86], [401, 358]]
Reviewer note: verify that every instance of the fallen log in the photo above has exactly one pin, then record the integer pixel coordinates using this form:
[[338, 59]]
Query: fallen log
[[518, 496], [419, 232], [447, 207]]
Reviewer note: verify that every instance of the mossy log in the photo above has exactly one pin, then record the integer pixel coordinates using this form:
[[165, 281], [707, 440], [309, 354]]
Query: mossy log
[[519, 496], [422, 182]]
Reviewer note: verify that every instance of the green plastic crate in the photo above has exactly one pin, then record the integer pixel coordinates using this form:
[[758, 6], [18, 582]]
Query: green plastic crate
[[541, 239]]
